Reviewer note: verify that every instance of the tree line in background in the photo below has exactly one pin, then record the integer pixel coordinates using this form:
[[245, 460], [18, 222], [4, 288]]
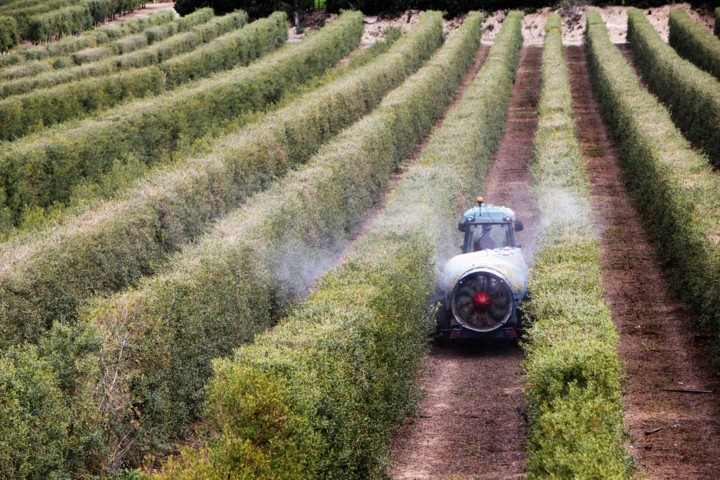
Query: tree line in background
[[261, 8]]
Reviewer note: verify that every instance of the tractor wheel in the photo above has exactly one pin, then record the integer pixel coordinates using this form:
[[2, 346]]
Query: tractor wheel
[[443, 325]]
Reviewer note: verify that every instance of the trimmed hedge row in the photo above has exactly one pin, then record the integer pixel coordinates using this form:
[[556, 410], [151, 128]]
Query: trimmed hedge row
[[55, 18], [54, 24], [128, 239], [157, 33], [220, 293], [23, 114], [89, 39], [210, 33], [694, 42], [319, 396], [573, 373], [33, 7], [675, 186], [149, 130], [235, 48], [692, 95], [206, 29], [77, 347]]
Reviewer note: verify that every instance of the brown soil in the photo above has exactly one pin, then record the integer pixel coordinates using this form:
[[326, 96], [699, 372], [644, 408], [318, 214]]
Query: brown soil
[[470, 424], [658, 342]]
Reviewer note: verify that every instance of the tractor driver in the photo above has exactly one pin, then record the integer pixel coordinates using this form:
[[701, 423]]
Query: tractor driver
[[484, 241]]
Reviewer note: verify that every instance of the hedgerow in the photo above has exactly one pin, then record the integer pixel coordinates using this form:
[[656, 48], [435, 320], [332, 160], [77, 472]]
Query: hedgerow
[[93, 38], [675, 185], [694, 42], [222, 291], [55, 18], [573, 370], [48, 423], [156, 33], [200, 33], [691, 95], [148, 130], [140, 235], [404, 56], [54, 24], [23, 114], [35, 67], [318, 397], [235, 48], [9, 36]]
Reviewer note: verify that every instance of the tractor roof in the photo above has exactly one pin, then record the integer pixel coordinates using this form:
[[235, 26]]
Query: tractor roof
[[488, 214]]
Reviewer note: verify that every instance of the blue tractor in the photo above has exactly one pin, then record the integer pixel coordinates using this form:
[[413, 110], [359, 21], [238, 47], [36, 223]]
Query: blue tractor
[[480, 290]]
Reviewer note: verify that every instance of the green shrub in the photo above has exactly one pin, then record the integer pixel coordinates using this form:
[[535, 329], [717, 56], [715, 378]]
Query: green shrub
[[408, 55], [262, 33], [24, 114], [9, 36], [717, 22], [318, 397], [95, 54], [48, 423], [671, 182], [140, 58], [694, 42], [195, 313], [96, 263], [90, 39], [153, 128], [691, 95], [573, 370], [235, 48], [33, 67], [54, 24]]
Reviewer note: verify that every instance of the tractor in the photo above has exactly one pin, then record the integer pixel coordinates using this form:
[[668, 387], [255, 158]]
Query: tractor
[[481, 290]]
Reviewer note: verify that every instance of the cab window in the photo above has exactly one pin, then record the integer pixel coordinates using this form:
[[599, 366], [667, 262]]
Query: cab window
[[491, 235]]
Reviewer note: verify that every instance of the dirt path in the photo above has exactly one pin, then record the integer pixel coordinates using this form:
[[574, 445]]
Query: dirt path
[[657, 340], [470, 425]]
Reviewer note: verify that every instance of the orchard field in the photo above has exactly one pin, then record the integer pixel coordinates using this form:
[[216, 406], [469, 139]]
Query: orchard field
[[221, 234]]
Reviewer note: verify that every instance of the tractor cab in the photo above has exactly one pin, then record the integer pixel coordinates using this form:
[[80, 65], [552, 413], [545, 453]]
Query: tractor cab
[[487, 227]]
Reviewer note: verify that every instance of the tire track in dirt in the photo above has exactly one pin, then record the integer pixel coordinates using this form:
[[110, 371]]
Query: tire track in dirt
[[470, 423], [657, 340]]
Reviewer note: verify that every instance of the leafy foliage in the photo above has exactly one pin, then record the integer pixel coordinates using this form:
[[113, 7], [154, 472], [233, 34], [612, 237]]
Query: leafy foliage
[[573, 369], [22, 114], [154, 127], [694, 42], [47, 420], [205, 29], [9, 36], [142, 252], [692, 95]]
